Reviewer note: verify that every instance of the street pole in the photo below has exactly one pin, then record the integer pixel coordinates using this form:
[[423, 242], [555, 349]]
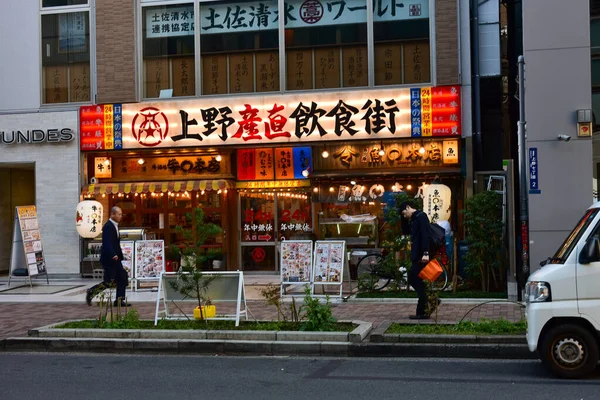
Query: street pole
[[524, 199]]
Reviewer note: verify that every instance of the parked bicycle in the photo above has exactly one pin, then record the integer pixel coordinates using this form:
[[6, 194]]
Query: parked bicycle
[[374, 274]]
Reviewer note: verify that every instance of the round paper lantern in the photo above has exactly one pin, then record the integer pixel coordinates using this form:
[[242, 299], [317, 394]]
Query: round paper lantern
[[437, 200], [88, 219]]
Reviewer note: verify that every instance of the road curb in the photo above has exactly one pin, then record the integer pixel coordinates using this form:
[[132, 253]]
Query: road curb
[[262, 347]]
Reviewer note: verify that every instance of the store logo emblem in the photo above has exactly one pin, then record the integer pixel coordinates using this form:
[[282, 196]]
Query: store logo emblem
[[311, 11], [153, 129]]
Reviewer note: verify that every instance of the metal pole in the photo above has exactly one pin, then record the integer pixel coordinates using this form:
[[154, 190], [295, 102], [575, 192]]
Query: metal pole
[[524, 199], [477, 144]]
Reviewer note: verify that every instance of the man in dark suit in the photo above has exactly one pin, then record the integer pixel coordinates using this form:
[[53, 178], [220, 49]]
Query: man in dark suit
[[111, 256], [419, 254]]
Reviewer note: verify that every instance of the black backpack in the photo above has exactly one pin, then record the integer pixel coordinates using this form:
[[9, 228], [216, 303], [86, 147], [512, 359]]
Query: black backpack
[[437, 238]]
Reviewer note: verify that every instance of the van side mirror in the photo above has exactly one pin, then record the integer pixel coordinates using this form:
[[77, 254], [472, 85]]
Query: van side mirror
[[590, 252]]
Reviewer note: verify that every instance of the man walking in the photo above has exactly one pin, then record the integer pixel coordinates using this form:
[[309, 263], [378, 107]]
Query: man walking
[[419, 254], [110, 258]]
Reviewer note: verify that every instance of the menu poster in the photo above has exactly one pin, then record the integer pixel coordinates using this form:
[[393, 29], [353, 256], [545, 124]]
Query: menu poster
[[32, 243], [296, 261], [127, 249], [149, 259], [329, 262]]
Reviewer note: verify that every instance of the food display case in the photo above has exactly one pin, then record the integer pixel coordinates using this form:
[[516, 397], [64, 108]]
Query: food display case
[[355, 232]]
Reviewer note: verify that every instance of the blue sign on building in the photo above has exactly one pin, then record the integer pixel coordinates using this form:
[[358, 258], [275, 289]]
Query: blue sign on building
[[534, 186]]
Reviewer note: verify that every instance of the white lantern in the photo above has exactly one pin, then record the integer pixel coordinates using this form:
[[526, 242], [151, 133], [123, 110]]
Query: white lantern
[[437, 202], [88, 219]]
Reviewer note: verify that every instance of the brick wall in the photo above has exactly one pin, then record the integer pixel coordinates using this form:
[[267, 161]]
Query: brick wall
[[115, 50], [446, 41], [56, 188]]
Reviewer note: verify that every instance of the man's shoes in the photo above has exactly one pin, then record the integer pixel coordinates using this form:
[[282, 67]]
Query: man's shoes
[[123, 304], [418, 316], [88, 297]]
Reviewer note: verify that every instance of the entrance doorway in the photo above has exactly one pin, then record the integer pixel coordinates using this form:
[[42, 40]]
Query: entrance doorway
[[266, 219], [17, 183]]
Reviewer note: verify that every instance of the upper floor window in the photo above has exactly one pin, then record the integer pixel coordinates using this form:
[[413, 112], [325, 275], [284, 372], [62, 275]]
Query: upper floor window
[[61, 3], [66, 57]]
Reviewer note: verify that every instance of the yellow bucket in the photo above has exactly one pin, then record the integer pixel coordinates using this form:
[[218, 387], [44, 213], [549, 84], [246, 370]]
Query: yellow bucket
[[207, 312]]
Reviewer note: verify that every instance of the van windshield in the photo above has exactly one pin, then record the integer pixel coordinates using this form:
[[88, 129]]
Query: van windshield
[[569, 244]]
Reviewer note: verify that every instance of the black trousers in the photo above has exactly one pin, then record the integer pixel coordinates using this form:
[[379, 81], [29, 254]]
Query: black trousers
[[417, 283], [114, 274]]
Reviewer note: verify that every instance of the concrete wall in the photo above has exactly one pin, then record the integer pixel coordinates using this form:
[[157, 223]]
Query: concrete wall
[[556, 43], [56, 186]]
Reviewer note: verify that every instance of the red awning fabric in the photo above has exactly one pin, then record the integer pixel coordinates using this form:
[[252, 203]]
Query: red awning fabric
[[156, 187]]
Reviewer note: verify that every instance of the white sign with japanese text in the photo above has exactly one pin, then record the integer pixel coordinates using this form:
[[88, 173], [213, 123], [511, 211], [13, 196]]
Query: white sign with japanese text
[[259, 15]]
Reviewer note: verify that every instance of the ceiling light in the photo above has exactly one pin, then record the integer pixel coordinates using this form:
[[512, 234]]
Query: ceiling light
[[141, 161]]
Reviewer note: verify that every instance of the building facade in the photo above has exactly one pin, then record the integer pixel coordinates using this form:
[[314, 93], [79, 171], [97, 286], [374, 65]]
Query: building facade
[[277, 118]]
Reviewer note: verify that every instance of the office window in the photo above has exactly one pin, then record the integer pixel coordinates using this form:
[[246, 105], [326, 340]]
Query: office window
[[239, 46], [168, 50], [66, 57], [401, 33], [61, 3], [326, 44]]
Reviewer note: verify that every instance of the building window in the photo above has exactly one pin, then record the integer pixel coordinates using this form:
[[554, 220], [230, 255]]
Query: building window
[[239, 46], [326, 44], [66, 57], [401, 33], [168, 51], [62, 3]]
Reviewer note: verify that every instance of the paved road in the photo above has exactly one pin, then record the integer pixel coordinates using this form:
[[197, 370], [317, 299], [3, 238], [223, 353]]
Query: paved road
[[74, 376]]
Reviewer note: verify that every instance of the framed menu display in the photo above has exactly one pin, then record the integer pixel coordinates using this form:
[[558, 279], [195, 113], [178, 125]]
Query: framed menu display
[[149, 261], [329, 263], [27, 257], [128, 251], [296, 261]]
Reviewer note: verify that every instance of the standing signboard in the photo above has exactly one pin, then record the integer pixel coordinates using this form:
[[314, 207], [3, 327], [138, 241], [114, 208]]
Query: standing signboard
[[329, 262], [296, 262], [27, 243], [127, 247], [149, 262]]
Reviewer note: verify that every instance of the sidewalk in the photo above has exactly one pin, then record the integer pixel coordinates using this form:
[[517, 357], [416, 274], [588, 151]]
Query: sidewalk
[[22, 308]]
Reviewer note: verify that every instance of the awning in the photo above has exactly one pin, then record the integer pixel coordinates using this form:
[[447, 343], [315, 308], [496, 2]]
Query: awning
[[154, 187]]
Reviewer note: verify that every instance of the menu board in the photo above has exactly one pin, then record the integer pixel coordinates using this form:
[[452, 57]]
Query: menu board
[[329, 262], [32, 241], [296, 261], [149, 259], [127, 249]]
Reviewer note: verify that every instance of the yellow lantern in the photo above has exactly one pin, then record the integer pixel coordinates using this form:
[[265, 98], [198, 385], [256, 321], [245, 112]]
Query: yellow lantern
[[88, 218], [437, 200]]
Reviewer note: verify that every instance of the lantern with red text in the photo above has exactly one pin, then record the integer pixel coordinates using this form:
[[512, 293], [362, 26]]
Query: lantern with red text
[[88, 218]]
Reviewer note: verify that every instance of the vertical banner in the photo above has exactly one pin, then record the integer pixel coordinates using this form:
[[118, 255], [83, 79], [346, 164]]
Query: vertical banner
[[302, 161], [246, 165], [415, 112], [426, 112], [284, 162], [118, 126], [534, 187], [445, 111], [109, 135], [264, 164], [101, 127]]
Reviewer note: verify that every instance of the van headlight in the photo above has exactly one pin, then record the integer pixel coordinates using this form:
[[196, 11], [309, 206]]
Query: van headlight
[[537, 292]]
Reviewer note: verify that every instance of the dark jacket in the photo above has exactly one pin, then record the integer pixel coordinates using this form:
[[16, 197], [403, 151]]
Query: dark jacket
[[111, 244], [419, 235]]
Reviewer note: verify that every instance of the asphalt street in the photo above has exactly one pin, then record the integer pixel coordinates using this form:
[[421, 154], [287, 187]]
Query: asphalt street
[[83, 376]]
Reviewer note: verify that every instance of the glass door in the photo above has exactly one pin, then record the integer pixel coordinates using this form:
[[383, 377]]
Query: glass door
[[258, 222]]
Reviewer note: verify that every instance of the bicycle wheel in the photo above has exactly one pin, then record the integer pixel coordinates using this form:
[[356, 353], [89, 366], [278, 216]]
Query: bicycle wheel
[[368, 271]]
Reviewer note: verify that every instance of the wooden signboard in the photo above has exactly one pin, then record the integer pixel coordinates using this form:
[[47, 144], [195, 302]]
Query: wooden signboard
[[56, 84], [388, 64], [327, 68], [354, 60], [299, 69], [214, 74], [27, 257], [184, 76], [157, 76], [241, 73], [267, 71], [416, 62], [79, 82]]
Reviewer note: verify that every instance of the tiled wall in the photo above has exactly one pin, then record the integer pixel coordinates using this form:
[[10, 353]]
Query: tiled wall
[[56, 187]]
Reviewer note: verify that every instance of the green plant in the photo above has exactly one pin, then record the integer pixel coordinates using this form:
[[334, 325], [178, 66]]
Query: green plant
[[484, 228], [318, 315], [191, 282], [272, 296]]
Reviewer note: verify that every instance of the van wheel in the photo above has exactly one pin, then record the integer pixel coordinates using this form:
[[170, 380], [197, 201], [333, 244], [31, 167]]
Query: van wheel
[[569, 351]]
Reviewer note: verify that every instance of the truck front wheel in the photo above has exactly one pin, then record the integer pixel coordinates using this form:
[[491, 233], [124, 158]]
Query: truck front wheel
[[569, 351]]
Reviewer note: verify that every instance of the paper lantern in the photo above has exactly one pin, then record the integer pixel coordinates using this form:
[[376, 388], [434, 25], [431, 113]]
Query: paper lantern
[[88, 219], [437, 200]]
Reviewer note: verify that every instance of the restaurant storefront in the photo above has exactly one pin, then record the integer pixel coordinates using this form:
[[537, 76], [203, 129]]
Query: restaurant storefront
[[267, 168]]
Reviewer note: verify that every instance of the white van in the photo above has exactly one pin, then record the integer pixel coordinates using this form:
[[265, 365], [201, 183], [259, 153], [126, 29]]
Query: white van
[[563, 302]]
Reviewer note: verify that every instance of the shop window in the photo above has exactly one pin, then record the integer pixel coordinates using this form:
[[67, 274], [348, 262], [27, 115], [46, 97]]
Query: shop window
[[66, 57], [326, 44], [401, 43], [239, 46], [294, 216], [168, 50]]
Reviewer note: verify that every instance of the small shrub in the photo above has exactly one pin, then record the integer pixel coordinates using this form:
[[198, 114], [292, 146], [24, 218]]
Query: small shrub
[[318, 315]]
